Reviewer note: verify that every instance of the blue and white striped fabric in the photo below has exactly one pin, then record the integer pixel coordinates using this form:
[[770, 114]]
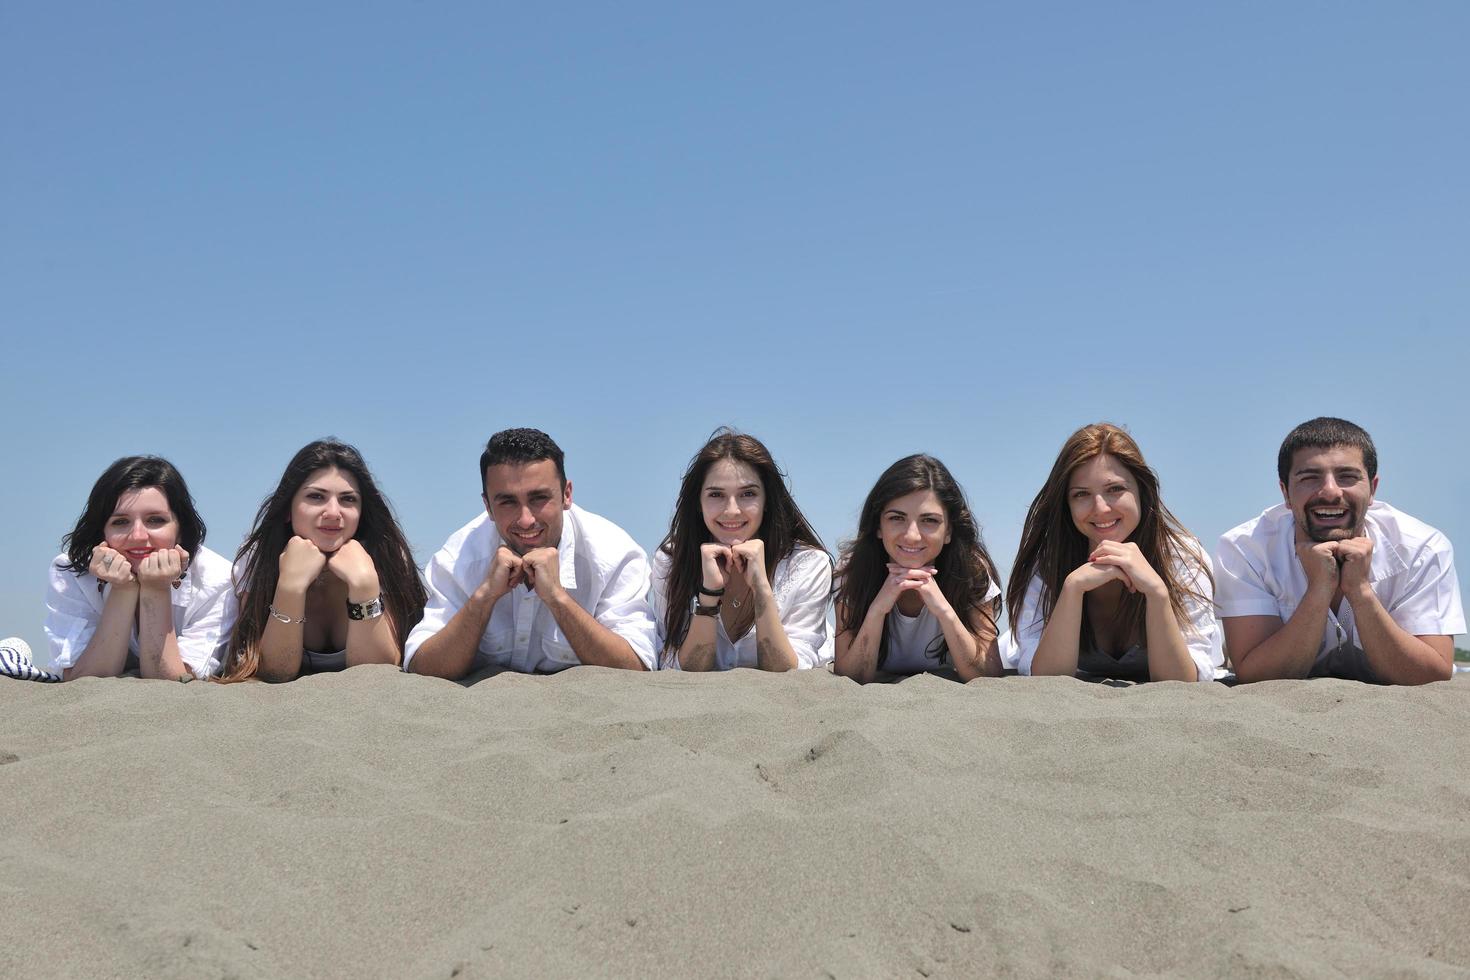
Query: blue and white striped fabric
[[15, 661]]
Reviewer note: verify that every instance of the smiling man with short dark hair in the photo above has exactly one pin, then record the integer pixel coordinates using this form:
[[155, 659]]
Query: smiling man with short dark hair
[[583, 581], [1332, 583]]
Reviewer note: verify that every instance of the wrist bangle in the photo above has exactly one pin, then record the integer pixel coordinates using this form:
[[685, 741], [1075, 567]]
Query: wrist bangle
[[371, 609], [713, 592], [283, 618], [702, 610]]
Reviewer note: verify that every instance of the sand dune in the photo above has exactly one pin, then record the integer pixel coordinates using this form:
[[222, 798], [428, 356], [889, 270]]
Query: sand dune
[[606, 823]]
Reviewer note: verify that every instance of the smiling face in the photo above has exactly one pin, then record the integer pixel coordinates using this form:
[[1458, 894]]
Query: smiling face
[[141, 523], [327, 508], [1329, 492], [733, 501], [914, 528], [527, 502], [1103, 497]]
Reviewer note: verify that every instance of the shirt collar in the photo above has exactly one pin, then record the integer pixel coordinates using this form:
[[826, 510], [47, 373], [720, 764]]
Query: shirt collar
[[1388, 558]]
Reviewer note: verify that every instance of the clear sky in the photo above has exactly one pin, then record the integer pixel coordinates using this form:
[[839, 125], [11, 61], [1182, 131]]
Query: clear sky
[[854, 230]]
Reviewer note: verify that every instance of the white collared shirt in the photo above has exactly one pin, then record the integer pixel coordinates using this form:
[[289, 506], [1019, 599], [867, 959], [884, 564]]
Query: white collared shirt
[[1201, 633], [602, 568], [802, 586], [204, 611], [1412, 571]]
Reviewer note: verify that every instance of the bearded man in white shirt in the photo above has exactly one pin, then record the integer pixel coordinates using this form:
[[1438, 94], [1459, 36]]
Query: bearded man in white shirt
[[1332, 583], [534, 584]]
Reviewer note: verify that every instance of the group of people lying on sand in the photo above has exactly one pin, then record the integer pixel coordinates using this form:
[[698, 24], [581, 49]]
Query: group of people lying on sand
[[1106, 584]]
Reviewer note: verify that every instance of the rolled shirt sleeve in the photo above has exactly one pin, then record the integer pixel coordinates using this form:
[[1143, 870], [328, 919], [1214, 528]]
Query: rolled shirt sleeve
[[446, 596], [804, 605], [1429, 601], [1027, 626], [623, 605], [71, 619], [1240, 584]]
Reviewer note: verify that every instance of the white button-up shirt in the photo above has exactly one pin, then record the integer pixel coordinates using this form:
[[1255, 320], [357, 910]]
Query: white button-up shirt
[[204, 611], [602, 568], [1257, 573], [802, 586]]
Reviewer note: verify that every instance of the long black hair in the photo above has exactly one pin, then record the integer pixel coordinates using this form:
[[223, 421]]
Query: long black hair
[[783, 526], [377, 531], [964, 568], [131, 473]]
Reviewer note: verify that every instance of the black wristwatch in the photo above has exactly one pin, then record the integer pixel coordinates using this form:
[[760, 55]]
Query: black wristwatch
[[371, 609]]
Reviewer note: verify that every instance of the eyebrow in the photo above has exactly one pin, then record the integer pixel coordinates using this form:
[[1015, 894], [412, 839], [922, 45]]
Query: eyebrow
[[538, 491], [904, 513], [743, 486], [313, 486]]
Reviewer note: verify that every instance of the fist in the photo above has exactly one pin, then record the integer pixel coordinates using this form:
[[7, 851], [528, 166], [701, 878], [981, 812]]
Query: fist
[[1094, 575], [1319, 561], [354, 566], [714, 558], [748, 558], [1355, 557], [301, 563], [542, 570], [110, 566], [506, 571], [164, 568]]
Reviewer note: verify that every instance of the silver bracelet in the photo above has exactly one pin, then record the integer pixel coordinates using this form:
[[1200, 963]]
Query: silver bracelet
[[283, 618]]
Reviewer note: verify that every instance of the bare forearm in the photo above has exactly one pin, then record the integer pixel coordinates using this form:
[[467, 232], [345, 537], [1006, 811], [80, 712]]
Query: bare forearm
[[1396, 656], [593, 643], [1291, 650], [281, 643], [372, 641], [772, 646], [973, 653], [107, 653], [451, 652], [1056, 651], [158, 647], [856, 656], [1168, 653], [698, 649]]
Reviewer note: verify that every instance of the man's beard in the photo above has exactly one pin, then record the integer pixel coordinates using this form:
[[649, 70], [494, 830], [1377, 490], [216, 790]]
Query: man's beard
[[1320, 534]]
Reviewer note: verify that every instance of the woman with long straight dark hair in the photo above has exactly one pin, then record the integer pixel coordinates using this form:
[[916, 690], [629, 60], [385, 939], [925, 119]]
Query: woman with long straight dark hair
[[1107, 582], [135, 588], [917, 591], [326, 578], [741, 579]]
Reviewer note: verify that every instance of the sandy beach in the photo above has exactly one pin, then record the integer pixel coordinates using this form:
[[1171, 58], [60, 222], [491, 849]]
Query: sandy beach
[[613, 824]]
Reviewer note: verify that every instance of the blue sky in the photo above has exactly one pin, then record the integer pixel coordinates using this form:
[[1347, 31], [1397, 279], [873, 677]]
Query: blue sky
[[854, 230]]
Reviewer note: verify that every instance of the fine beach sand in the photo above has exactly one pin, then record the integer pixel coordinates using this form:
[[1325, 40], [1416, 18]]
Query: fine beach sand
[[605, 823]]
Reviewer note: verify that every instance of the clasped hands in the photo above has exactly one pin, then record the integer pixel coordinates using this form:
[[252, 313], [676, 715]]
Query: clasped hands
[[162, 568], [744, 558], [1330, 564], [538, 569], [1118, 561], [303, 561]]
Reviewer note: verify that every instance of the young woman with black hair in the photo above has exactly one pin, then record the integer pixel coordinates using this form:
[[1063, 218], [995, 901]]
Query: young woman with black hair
[[135, 587], [917, 591], [1107, 582], [741, 579], [326, 577]]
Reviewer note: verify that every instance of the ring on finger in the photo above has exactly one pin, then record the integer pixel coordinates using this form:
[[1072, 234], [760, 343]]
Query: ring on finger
[[106, 561]]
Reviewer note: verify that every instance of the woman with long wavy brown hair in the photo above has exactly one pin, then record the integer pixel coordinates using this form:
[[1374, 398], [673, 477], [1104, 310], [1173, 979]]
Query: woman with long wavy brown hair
[[1107, 583], [917, 591], [326, 578], [741, 579]]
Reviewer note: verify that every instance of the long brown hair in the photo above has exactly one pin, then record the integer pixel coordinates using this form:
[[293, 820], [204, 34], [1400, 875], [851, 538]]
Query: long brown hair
[[1052, 547], [965, 569], [377, 531], [783, 526]]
